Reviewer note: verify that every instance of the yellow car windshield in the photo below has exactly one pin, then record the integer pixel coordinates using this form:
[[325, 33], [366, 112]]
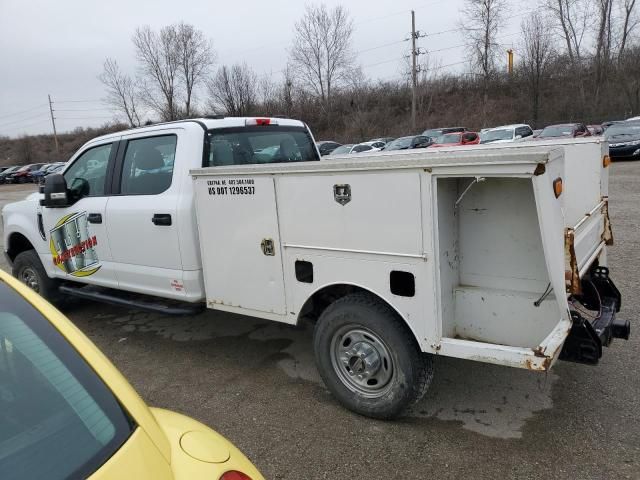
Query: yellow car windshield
[[57, 419]]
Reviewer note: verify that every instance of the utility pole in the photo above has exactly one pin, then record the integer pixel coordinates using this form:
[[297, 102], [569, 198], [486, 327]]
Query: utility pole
[[415, 68], [53, 122], [510, 61], [414, 73]]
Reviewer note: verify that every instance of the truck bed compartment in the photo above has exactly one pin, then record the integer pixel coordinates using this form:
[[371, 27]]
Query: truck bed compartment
[[491, 262]]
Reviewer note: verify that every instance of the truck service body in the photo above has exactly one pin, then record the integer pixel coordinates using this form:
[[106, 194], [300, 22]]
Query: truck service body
[[488, 253]]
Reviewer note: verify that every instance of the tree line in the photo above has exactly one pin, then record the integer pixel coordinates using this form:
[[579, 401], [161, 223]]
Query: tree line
[[576, 60]]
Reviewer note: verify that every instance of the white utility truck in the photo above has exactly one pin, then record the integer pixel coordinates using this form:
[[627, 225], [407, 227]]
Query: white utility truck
[[495, 254]]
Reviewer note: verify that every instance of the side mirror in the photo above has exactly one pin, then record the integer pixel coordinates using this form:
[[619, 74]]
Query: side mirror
[[518, 137], [56, 194]]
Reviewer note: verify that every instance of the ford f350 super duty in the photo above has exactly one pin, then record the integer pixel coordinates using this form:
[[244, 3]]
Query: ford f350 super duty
[[495, 254]]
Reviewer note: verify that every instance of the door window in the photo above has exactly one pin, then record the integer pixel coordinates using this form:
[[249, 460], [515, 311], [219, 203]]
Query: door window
[[148, 165], [90, 169]]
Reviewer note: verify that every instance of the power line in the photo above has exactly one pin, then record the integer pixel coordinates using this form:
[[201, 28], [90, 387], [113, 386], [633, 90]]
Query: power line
[[23, 119], [378, 47], [96, 117], [23, 111], [79, 101], [81, 109], [27, 125], [469, 44]]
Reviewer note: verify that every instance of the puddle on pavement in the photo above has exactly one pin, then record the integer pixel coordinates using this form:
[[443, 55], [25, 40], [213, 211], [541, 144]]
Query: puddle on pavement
[[487, 399]]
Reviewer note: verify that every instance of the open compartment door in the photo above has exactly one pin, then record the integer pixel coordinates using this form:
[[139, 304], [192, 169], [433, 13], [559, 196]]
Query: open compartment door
[[547, 188]]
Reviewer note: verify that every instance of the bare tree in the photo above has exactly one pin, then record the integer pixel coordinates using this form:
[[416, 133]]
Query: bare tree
[[573, 18], [629, 23], [25, 150], [603, 37], [121, 91], [159, 57], [233, 90], [629, 77], [537, 50], [482, 22], [196, 58], [321, 51]]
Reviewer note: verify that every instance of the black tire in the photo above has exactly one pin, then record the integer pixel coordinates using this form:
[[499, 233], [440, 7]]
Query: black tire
[[349, 329], [28, 268]]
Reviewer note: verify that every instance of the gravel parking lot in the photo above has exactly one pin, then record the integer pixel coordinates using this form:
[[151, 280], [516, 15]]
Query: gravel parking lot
[[255, 382]]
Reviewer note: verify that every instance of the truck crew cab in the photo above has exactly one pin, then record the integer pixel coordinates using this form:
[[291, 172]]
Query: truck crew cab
[[492, 253]]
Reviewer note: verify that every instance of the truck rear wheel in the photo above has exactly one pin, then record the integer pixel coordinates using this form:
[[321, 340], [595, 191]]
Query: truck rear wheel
[[368, 358], [28, 268]]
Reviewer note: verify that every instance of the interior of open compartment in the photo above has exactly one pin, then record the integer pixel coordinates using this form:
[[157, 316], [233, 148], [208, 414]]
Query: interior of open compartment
[[491, 262]]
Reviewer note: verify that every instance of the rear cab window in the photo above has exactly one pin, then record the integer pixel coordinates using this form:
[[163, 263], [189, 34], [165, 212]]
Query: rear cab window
[[58, 419], [262, 144]]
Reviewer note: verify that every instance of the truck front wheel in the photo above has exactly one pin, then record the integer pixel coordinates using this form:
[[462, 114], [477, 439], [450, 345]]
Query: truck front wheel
[[28, 268], [368, 358]]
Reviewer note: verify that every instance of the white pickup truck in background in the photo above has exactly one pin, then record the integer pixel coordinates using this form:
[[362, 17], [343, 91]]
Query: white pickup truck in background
[[494, 254]]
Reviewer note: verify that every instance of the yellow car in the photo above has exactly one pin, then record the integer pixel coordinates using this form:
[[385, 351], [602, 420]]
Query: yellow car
[[66, 411]]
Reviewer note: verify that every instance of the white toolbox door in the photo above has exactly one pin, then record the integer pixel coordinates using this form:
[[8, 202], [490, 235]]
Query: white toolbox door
[[235, 216]]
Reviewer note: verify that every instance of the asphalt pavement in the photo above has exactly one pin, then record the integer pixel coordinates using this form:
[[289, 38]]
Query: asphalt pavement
[[255, 382]]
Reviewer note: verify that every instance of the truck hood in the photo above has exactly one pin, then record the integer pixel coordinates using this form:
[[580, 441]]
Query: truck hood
[[28, 204]]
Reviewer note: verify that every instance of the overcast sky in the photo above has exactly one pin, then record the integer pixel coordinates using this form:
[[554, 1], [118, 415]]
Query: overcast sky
[[58, 47]]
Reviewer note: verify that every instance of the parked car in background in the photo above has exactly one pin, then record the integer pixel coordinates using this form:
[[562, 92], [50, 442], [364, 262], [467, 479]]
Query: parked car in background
[[23, 174], [595, 130], [343, 149], [564, 130], [404, 143], [633, 119], [353, 148], [2, 169], [506, 133], [607, 124], [38, 175], [457, 139], [436, 132], [624, 140], [325, 147], [7, 172], [376, 144], [383, 139], [67, 412], [56, 169]]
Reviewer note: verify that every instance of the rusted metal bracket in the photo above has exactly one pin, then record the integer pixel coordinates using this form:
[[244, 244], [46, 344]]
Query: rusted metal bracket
[[571, 272], [607, 234]]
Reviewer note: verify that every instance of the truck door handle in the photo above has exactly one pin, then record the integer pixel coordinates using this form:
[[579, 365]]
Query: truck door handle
[[161, 219], [94, 218]]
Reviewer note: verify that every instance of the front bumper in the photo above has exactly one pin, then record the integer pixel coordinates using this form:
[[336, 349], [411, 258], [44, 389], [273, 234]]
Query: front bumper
[[594, 319]]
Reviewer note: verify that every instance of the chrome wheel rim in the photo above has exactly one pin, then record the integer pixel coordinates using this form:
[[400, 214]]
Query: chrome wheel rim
[[362, 361], [29, 277]]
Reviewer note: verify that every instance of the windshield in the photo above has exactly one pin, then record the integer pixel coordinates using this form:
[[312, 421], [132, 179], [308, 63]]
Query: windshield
[[449, 138], [433, 133], [493, 135], [625, 130], [342, 149], [557, 131], [399, 144], [259, 144], [57, 419]]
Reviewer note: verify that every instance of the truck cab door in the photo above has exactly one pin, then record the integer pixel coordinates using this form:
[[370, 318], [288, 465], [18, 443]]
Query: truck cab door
[[142, 215], [78, 244]]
